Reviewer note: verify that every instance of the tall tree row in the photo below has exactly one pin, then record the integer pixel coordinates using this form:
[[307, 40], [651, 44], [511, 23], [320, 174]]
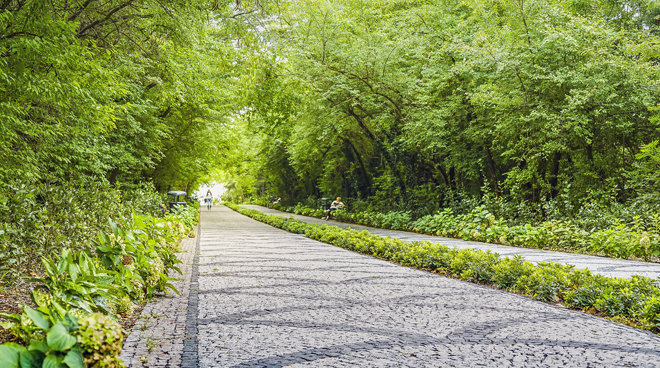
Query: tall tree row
[[126, 90], [419, 100]]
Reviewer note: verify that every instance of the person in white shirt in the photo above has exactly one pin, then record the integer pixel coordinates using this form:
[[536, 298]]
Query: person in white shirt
[[337, 204], [208, 199]]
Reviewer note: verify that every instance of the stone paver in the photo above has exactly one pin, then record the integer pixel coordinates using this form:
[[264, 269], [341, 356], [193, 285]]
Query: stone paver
[[268, 298], [601, 265], [157, 338]]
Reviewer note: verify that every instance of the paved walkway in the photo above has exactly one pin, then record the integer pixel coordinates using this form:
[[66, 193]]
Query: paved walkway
[[601, 265], [263, 297], [158, 337]]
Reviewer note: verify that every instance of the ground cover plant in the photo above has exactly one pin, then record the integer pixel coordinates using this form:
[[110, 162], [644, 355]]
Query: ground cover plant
[[83, 291], [634, 301]]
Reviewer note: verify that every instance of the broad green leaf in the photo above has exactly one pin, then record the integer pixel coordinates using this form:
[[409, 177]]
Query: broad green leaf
[[71, 322], [104, 249], [54, 361], [41, 346], [59, 339], [7, 325], [60, 310], [10, 355], [74, 358], [32, 359], [113, 226], [38, 318], [74, 271]]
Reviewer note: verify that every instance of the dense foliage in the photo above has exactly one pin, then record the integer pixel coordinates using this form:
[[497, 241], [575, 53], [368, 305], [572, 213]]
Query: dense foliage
[[641, 240], [82, 292], [39, 219], [634, 301], [121, 89], [421, 105]]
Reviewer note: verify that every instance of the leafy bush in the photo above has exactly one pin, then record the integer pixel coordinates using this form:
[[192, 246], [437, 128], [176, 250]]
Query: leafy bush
[[479, 224], [127, 264], [75, 283], [93, 341], [36, 220], [509, 270], [547, 283], [637, 299], [100, 339], [51, 342]]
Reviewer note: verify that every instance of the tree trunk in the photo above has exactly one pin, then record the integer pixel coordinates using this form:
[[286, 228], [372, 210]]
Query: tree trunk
[[554, 173], [491, 169]]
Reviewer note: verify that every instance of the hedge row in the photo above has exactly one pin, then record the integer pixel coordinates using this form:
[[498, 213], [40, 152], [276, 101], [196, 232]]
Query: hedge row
[[634, 301], [624, 241]]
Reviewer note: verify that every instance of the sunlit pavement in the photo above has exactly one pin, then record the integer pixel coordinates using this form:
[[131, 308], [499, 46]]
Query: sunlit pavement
[[263, 297]]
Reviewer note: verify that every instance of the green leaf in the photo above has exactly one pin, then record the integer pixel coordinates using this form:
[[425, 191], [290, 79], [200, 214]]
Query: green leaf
[[38, 318], [73, 286], [113, 226], [10, 355], [13, 317], [171, 287], [65, 253], [73, 272], [53, 361], [32, 359], [59, 338], [50, 267], [84, 264], [104, 249], [70, 321], [74, 358], [7, 325], [60, 310], [41, 346], [61, 267]]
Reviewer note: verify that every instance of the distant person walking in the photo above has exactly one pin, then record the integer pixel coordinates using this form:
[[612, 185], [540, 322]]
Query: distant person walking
[[208, 199]]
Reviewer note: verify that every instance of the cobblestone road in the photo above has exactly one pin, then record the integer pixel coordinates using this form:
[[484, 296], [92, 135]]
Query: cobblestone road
[[262, 297], [601, 265]]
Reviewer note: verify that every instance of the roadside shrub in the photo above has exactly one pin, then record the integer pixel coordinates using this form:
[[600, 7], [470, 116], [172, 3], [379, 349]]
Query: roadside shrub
[[507, 272], [82, 291], [37, 219], [65, 341], [546, 283], [649, 314], [641, 239], [474, 265], [100, 339]]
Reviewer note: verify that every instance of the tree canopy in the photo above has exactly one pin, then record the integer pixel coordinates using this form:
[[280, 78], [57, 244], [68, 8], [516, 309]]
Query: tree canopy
[[419, 100], [409, 100], [124, 90]]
